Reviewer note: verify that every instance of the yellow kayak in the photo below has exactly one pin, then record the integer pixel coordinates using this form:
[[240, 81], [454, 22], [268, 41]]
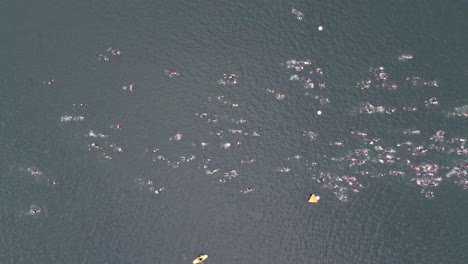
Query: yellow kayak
[[200, 259], [313, 198]]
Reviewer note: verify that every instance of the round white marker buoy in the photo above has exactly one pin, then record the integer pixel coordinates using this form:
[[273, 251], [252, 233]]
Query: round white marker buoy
[[319, 112], [320, 28]]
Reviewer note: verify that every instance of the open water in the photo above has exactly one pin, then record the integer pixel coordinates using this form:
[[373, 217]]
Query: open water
[[153, 131]]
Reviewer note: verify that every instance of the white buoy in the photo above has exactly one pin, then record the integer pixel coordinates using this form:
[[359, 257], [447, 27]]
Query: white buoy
[[320, 28], [319, 112]]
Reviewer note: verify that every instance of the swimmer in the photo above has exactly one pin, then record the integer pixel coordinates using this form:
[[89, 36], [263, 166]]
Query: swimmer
[[158, 190], [337, 143], [50, 82], [405, 56], [128, 87], [209, 172], [53, 181], [176, 137], [299, 15], [34, 210], [229, 79], [103, 57], [115, 52], [410, 109], [247, 190], [432, 101], [79, 105], [279, 96], [171, 73], [254, 134], [93, 146]]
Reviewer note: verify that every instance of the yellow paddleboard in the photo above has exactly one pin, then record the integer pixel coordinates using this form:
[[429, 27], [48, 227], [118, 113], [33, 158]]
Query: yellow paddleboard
[[200, 259]]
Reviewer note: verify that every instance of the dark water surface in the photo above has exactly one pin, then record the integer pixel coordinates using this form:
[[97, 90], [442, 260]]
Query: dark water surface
[[95, 210]]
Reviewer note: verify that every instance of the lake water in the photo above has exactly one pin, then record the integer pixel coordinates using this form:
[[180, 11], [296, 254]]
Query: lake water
[[108, 157]]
